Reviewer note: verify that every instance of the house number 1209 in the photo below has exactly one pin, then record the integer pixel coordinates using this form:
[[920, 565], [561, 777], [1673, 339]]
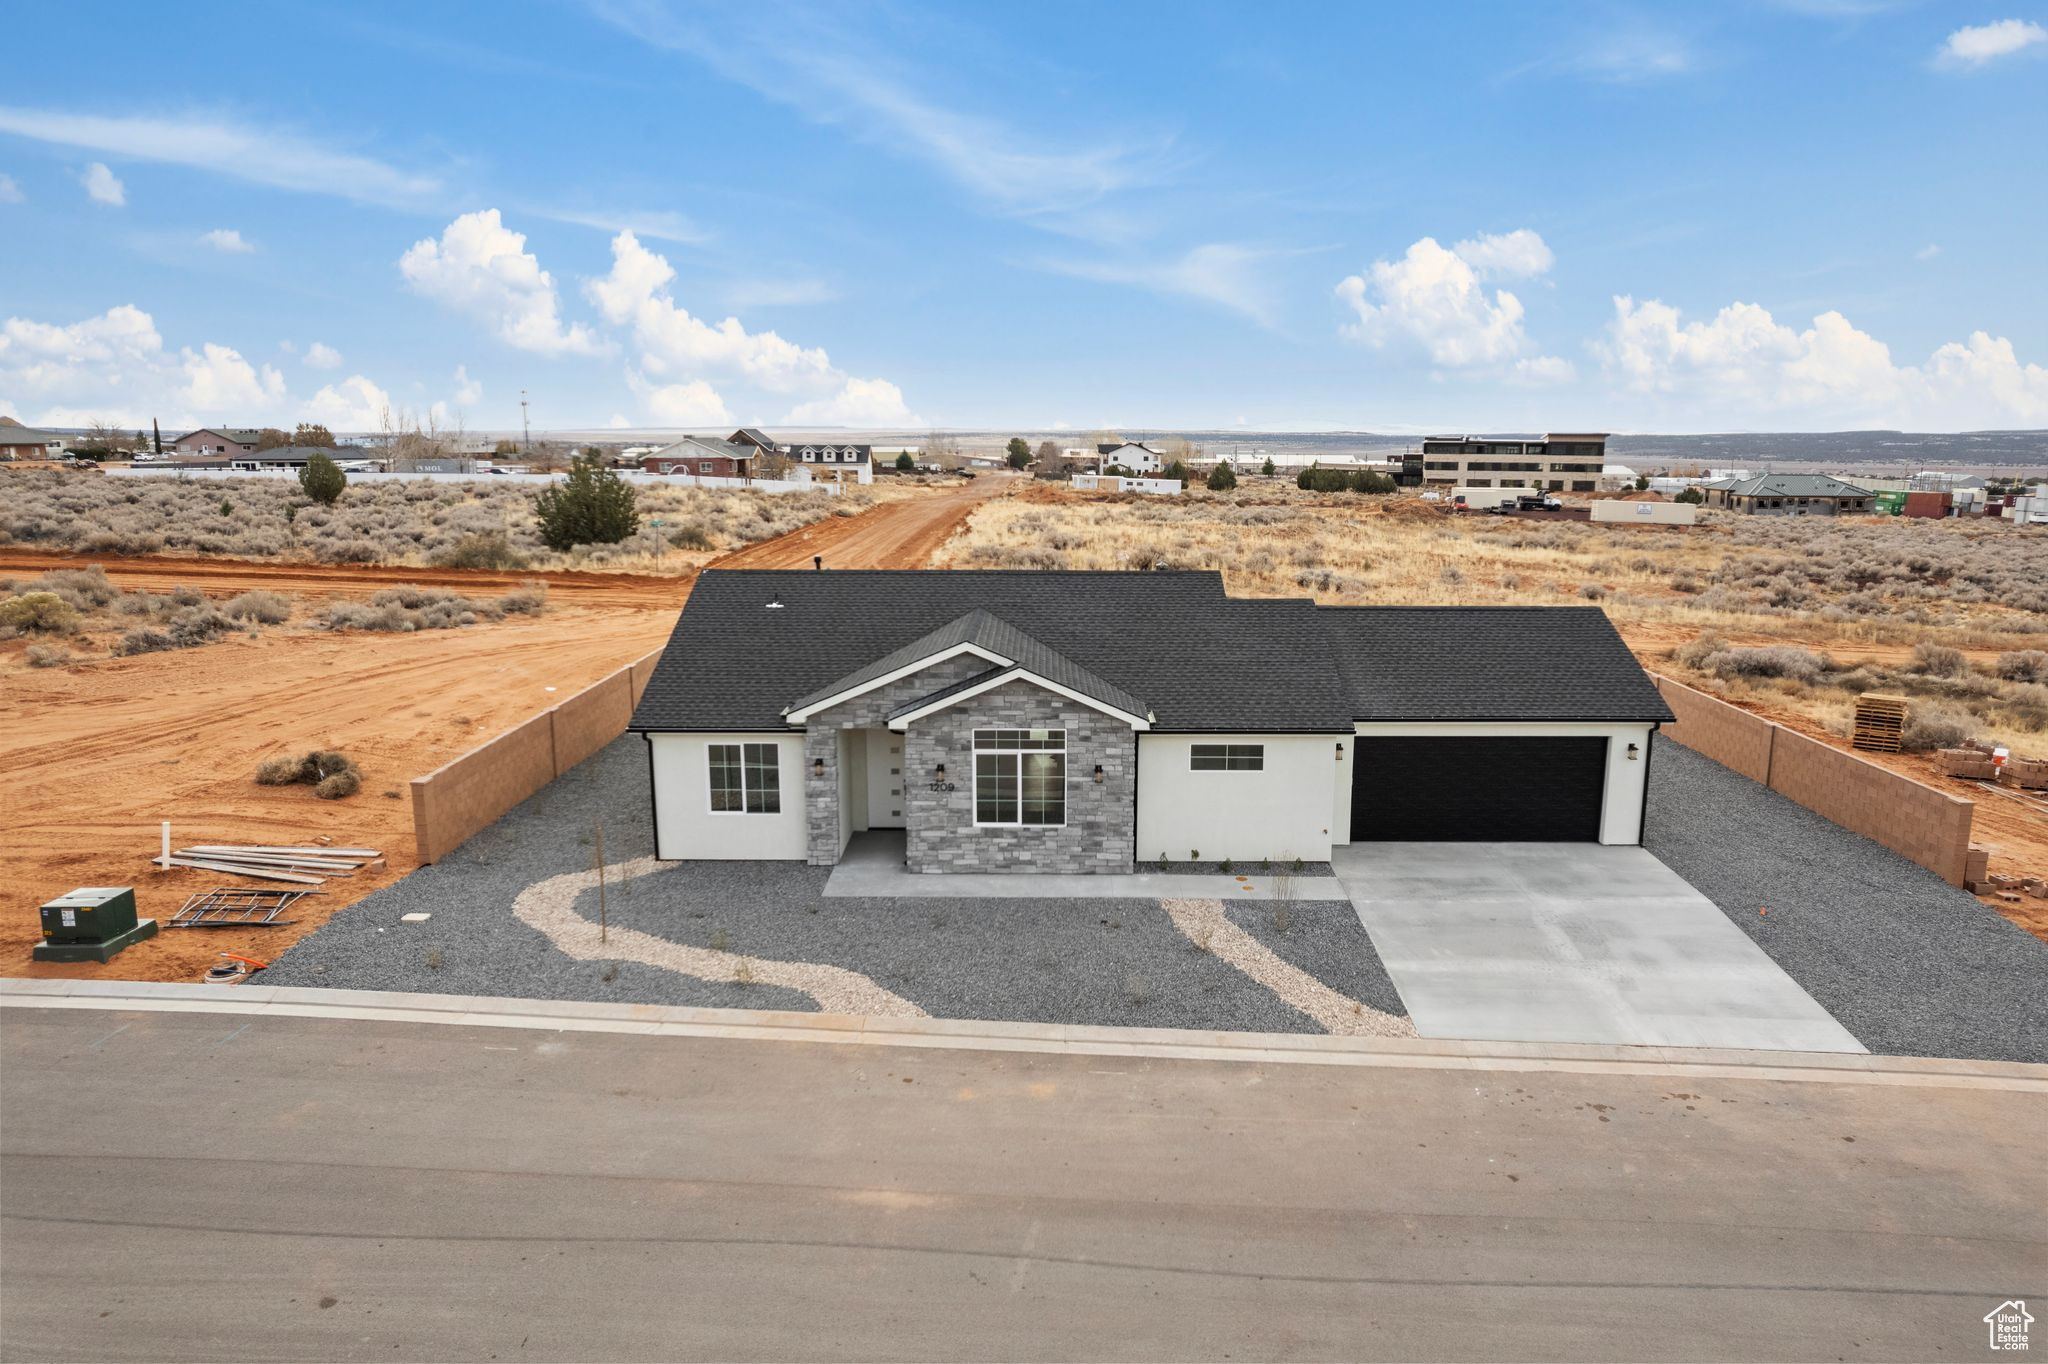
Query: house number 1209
[[942, 787]]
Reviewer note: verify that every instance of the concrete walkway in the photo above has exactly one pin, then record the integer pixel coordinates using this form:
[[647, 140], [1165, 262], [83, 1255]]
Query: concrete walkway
[[873, 869], [1571, 942]]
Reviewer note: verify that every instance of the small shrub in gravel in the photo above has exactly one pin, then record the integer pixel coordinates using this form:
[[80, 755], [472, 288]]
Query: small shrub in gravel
[[264, 608], [2023, 665]]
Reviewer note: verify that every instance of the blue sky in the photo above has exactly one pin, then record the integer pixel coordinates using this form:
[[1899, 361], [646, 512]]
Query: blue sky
[[1803, 215]]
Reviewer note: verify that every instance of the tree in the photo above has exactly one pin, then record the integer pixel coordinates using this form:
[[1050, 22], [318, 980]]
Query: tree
[[1692, 495], [905, 462], [774, 464], [322, 480], [313, 433], [1375, 482], [1048, 453], [103, 438], [1178, 472], [1642, 482], [270, 438], [1270, 467], [593, 506], [1222, 478], [505, 447], [1019, 452]]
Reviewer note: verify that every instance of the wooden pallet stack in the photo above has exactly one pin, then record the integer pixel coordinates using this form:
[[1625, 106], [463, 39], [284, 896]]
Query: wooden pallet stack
[[1880, 722]]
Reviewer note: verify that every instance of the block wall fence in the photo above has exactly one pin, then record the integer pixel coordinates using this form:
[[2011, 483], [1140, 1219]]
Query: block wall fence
[[1928, 826], [456, 801]]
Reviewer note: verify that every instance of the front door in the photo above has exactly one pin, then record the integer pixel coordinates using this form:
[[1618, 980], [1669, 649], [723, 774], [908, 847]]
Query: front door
[[885, 779]]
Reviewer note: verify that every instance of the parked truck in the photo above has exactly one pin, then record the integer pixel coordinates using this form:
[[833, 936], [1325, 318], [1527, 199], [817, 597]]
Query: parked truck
[[1502, 500]]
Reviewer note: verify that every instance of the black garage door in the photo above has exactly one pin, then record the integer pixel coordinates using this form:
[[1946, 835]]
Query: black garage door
[[1426, 790]]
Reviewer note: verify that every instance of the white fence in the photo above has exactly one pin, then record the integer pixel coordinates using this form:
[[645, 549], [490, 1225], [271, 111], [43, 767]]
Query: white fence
[[1644, 513], [763, 485], [1116, 483]]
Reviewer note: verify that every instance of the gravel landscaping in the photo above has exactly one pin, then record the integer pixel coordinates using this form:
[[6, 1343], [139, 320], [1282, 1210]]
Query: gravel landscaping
[[1909, 964], [1112, 962]]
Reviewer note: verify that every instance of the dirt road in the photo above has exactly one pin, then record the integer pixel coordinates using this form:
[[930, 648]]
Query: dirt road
[[893, 535], [93, 757]]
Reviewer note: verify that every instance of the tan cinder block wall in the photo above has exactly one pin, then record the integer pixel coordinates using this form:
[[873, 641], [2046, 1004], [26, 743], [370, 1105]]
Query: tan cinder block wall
[[592, 718], [1730, 735], [1931, 827], [451, 804], [1915, 820]]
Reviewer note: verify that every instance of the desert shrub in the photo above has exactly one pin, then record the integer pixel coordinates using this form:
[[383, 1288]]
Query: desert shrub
[[264, 608], [185, 595], [323, 769], [198, 625], [47, 656], [593, 506], [1592, 591], [491, 549], [43, 613], [1932, 725], [1939, 660], [2023, 665], [1770, 660], [530, 600], [322, 480], [1692, 495], [83, 588], [690, 535], [345, 783], [143, 641]]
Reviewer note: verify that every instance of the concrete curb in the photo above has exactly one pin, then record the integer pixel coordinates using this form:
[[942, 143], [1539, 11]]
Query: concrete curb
[[376, 1006]]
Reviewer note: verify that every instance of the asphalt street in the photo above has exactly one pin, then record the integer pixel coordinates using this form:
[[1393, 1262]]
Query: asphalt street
[[202, 1186]]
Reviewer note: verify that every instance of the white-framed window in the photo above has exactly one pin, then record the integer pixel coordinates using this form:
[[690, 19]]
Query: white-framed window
[[746, 779], [1020, 776], [704, 466], [1227, 758]]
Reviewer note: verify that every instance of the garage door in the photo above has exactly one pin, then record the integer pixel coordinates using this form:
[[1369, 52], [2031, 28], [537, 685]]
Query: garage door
[[1502, 790]]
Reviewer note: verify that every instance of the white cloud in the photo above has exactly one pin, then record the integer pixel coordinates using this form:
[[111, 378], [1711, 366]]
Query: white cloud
[[1432, 300], [861, 402], [320, 355], [468, 392], [691, 402], [10, 192], [102, 186], [482, 268], [618, 422], [116, 367], [227, 239], [1927, 252], [1971, 47], [1520, 254], [354, 404], [1223, 273], [1744, 366], [263, 156]]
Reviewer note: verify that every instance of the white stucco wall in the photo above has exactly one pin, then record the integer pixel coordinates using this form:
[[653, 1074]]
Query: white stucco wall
[[685, 827], [1621, 810], [1287, 810]]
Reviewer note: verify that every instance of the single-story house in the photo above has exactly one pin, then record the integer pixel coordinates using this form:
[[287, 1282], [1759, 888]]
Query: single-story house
[[292, 457], [25, 442], [1789, 495], [703, 456], [1092, 722], [234, 440]]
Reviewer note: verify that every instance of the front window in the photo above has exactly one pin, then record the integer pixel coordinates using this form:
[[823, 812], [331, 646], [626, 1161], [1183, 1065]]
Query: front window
[[1020, 776], [746, 779], [1227, 758]]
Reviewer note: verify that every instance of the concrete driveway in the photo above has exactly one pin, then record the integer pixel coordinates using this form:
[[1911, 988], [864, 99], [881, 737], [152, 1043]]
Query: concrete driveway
[[1571, 942]]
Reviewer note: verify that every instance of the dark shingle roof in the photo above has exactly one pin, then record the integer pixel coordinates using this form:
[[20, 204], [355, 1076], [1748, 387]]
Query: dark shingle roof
[[1172, 644], [1488, 663], [993, 635], [1195, 658], [1793, 485]]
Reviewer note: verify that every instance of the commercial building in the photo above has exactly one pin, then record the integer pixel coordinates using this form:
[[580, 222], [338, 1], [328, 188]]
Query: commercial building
[[1557, 463]]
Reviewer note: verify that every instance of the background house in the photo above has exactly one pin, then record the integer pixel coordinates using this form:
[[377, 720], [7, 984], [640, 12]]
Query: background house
[[209, 440], [703, 456], [25, 442], [1790, 495]]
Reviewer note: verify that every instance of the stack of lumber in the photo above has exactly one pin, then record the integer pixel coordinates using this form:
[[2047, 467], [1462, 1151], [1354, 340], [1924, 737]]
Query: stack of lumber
[[1880, 722], [268, 862]]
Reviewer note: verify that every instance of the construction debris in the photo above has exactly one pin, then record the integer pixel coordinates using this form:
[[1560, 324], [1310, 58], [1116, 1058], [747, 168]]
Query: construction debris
[[235, 907], [299, 866], [232, 970]]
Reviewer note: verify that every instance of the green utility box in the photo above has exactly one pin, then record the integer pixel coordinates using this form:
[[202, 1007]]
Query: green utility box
[[91, 924], [1891, 501]]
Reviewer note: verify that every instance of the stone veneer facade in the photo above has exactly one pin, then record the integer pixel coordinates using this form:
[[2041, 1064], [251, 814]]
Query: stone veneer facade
[[1100, 832], [1099, 835]]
